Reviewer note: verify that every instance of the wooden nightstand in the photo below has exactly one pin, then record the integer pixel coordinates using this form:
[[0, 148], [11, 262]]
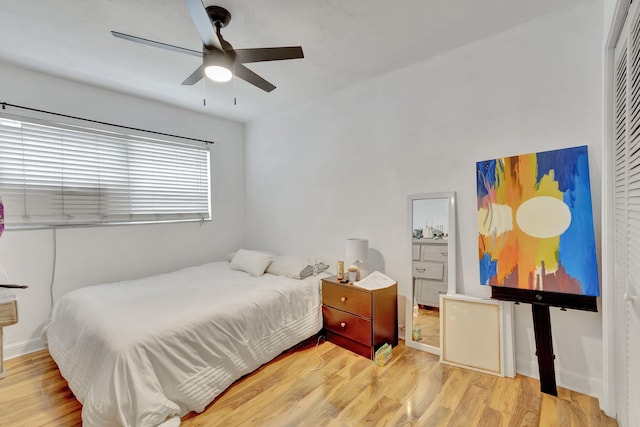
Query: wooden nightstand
[[358, 319], [8, 316]]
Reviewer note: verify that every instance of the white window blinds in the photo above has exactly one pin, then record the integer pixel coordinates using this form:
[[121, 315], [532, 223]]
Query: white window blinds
[[53, 174]]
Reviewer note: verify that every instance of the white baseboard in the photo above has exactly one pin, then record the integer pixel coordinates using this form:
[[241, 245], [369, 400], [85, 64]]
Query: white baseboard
[[564, 379], [23, 347]]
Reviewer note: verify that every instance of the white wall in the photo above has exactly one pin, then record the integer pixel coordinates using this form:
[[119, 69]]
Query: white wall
[[343, 166], [88, 256], [611, 15]]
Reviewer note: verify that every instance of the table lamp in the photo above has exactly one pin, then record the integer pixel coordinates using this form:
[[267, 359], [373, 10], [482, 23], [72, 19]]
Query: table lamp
[[357, 255]]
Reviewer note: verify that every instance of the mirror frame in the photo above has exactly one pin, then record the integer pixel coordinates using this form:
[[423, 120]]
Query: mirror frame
[[451, 264]]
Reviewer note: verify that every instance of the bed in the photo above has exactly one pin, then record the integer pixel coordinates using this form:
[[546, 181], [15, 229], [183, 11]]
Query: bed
[[148, 351]]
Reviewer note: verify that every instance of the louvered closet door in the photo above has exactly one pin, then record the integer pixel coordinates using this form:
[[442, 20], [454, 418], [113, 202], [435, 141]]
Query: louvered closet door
[[627, 219]]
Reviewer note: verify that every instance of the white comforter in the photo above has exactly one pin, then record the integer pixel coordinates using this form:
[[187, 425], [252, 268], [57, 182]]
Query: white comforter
[[146, 352]]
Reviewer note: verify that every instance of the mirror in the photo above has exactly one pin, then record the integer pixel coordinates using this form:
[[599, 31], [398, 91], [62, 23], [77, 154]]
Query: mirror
[[433, 266]]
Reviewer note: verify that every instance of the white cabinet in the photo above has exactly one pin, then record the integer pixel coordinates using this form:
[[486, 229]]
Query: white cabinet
[[430, 277]]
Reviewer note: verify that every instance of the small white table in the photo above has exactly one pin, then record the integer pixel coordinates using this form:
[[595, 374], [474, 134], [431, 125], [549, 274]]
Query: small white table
[[8, 316]]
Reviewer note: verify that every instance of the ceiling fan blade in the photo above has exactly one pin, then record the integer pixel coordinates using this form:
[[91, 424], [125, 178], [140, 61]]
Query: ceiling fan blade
[[203, 24], [268, 54], [249, 76], [195, 77], [156, 44]]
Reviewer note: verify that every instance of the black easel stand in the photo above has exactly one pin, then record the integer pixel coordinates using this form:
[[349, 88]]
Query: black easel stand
[[544, 348], [540, 302]]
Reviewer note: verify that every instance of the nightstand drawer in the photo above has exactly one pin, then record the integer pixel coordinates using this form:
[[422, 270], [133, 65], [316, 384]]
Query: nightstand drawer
[[348, 325], [428, 270], [363, 350], [347, 299]]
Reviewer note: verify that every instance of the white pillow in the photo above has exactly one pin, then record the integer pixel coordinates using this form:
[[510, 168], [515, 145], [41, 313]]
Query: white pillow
[[288, 265], [253, 262]]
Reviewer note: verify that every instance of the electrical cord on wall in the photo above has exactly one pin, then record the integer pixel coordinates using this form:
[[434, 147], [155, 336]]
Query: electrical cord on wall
[[53, 270]]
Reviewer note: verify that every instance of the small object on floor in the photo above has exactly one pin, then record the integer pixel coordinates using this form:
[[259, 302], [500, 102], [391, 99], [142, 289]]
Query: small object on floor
[[383, 354], [416, 334]]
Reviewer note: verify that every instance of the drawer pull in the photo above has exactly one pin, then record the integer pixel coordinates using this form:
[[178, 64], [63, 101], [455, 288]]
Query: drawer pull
[[343, 325], [444, 253], [343, 299], [421, 270]]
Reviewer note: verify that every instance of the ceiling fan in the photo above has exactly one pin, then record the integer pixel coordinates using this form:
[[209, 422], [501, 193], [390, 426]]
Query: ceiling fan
[[219, 59]]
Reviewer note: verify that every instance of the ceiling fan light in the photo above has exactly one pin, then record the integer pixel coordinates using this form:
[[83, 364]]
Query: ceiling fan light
[[218, 73]]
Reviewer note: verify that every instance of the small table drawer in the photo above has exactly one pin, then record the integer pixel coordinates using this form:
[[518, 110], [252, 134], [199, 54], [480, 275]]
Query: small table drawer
[[347, 299], [8, 313], [415, 252], [428, 270], [8, 316], [348, 325], [435, 253], [431, 292]]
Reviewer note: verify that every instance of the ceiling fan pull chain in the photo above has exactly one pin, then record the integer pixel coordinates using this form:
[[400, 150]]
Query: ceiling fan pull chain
[[204, 93], [235, 102]]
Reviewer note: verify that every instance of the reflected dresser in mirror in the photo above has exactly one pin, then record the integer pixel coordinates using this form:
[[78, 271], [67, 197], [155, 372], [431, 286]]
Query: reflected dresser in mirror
[[430, 270]]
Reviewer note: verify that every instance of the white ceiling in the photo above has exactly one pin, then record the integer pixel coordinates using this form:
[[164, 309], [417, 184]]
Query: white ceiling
[[344, 42]]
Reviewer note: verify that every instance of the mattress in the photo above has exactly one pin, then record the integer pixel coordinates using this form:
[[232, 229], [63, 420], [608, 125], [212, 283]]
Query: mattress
[[148, 351]]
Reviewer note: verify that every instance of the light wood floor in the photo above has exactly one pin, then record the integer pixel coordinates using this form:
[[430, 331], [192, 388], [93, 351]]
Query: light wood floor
[[428, 320], [412, 389]]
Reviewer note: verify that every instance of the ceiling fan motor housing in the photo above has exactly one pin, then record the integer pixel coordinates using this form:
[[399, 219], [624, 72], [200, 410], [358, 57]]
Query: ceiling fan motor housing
[[220, 61], [219, 16]]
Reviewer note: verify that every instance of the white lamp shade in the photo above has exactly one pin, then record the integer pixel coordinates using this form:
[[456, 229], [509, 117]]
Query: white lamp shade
[[357, 249]]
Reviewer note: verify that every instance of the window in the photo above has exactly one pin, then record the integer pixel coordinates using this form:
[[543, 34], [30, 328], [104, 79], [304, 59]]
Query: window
[[54, 174]]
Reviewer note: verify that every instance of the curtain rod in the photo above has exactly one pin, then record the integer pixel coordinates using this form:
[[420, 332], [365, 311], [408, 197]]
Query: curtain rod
[[6, 104]]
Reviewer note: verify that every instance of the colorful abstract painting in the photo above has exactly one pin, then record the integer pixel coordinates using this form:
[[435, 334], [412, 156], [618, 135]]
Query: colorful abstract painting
[[535, 222]]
